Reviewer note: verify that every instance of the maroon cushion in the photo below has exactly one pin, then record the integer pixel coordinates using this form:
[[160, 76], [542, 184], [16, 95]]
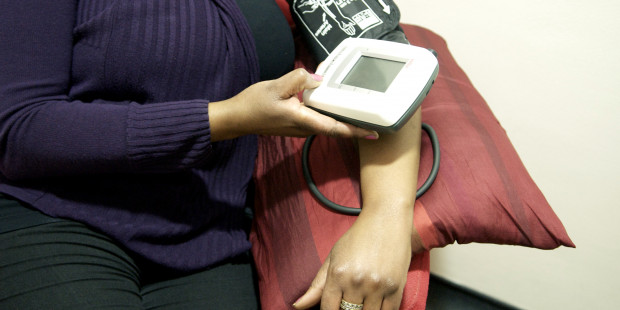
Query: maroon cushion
[[293, 234], [483, 192]]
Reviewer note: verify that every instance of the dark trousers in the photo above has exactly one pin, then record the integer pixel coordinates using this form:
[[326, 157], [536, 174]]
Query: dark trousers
[[66, 265]]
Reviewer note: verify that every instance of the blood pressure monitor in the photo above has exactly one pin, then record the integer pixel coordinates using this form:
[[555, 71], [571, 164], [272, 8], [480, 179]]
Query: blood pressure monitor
[[372, 83]]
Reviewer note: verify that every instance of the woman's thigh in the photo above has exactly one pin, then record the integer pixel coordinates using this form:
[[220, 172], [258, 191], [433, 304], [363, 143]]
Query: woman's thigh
[[65, 265], [231, 285]]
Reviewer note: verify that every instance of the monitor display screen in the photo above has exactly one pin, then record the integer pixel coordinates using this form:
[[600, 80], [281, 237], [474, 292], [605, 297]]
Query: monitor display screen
[[373, 73]]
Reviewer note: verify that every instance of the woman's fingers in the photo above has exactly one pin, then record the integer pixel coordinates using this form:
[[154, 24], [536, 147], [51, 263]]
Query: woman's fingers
[[373, 303], [370, 292], [392, 302], [332, 295], [314, 293], [330, 291], [272, 108], [356, 298], [318, 123], [289, 85]]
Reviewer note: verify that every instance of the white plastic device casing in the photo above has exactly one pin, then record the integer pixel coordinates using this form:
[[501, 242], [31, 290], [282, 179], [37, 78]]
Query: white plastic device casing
[[381, 111]]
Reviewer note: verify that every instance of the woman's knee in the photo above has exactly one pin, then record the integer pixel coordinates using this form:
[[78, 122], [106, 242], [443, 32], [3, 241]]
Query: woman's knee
[[65, 265]]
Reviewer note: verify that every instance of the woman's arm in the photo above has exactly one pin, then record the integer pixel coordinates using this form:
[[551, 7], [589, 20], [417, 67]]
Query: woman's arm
[[392, 175], [44, 132], [369, 263]]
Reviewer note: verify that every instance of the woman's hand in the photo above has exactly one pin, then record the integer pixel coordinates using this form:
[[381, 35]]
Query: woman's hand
[[272, 108], [368, 265]]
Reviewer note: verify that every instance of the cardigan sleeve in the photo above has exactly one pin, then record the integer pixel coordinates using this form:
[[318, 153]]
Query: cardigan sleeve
[[43, 133]]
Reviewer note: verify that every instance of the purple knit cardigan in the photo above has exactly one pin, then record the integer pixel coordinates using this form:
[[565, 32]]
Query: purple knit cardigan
[[104, 120]]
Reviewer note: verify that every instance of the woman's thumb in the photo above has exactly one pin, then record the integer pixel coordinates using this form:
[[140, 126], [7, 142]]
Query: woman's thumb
[[297, 80], [314, 293]]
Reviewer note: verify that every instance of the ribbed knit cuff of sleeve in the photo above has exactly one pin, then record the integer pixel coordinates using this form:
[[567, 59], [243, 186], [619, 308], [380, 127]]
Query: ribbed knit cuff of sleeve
[[168, 136]]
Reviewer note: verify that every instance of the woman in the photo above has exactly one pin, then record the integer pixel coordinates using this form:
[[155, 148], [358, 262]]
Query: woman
[[127, 148]]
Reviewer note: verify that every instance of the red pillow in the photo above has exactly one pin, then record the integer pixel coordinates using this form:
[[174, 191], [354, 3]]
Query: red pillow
[[483, 192], [293, 234]]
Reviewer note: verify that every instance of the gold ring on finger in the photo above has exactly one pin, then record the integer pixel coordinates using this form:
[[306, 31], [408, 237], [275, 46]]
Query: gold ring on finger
[[345, 305]]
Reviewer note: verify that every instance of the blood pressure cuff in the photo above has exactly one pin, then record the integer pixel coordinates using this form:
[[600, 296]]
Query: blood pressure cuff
[[326, 23]]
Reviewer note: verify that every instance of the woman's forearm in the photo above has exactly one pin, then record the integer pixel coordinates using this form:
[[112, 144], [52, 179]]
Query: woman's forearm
[[389, 167], [369, 262], [389, 173]]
